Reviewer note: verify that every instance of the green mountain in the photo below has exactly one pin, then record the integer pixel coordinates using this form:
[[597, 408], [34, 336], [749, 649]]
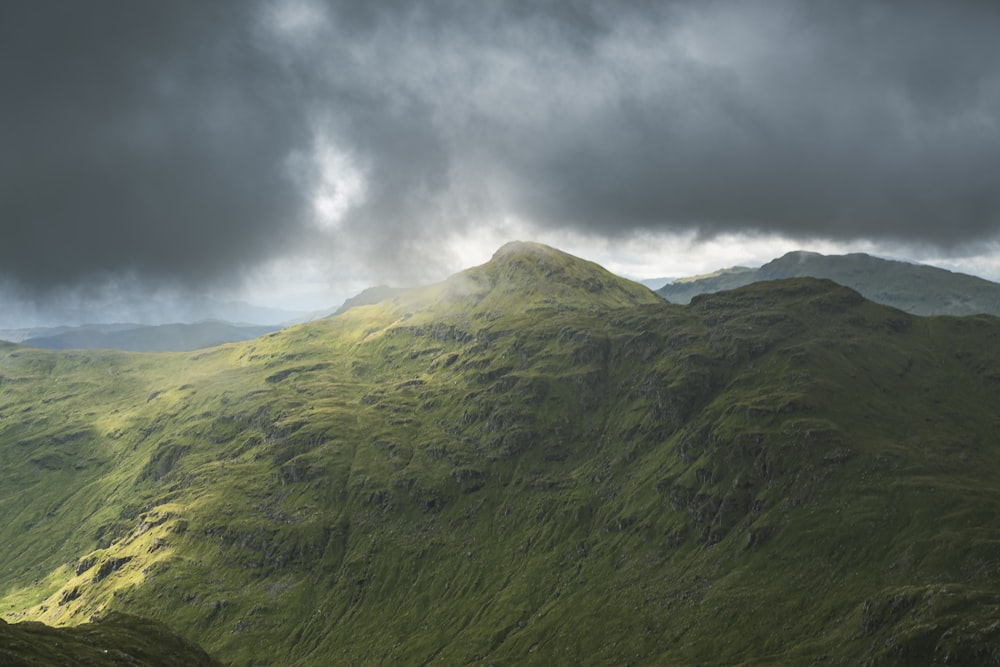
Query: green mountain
[[534, 462], [915, 288], [369, 297], [116, 641]]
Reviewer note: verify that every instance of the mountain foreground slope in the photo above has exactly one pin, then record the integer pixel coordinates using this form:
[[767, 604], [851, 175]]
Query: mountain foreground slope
[[533, 462], [915, 288], [118, 640]]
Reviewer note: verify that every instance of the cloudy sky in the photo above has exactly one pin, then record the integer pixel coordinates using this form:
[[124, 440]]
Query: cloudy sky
[[292, 152]]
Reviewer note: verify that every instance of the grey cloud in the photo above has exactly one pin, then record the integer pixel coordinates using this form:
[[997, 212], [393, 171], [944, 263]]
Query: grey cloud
[[141, 138], [154, 138], [828, 126], [840, 120]]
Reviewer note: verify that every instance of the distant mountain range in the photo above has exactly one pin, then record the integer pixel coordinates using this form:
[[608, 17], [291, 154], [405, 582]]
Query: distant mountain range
[[179, 336], [137, 337], [148, 312], [915, 288]]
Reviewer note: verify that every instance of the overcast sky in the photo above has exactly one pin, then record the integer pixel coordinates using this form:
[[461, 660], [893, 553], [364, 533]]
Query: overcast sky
[[295, 151]]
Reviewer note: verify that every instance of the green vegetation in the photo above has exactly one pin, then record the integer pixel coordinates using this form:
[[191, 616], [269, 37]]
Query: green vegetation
[[533, 462], [119, 640]]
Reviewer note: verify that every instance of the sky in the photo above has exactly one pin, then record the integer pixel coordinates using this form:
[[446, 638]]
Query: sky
[[293, 152]]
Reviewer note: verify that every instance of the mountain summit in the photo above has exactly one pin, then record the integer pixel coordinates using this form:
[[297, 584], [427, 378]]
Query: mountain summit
[[520, 277], [537, 275]]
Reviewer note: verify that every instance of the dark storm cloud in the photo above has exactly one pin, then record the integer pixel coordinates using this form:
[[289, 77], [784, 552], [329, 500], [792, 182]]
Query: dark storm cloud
[[835, 120], [842, 121], [177, 139], [141, 137]]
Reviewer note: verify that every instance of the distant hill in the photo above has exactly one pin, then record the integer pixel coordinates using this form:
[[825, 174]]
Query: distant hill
[[655, 283], [916, 288], [370, 296], [24, 334], [150, 312], [138, 338], [366, 297]]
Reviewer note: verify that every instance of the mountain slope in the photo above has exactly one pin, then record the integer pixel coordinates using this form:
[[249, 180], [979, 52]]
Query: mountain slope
[[915, 288], [533, 462], [368, 297], [116, 641]]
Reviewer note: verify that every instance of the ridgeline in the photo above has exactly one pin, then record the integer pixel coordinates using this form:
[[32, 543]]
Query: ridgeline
[[916, 288]]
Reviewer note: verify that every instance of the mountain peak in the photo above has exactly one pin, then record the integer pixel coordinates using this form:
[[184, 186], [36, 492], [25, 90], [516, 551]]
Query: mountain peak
[[798, 255], [516, 247], [531, 272], [521, 260], [521, 276]]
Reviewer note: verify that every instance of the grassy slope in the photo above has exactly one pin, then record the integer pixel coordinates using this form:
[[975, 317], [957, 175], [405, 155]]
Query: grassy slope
[[534, 461], [116, 641]]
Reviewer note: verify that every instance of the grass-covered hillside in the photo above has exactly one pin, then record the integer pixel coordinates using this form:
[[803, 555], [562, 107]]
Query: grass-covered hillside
[[534, 462], [916, 288], [119, 640]]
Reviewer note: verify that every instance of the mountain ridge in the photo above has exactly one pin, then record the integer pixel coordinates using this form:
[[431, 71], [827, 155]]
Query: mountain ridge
[[916, 288]]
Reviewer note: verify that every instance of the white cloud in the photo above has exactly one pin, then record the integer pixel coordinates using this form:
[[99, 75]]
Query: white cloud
[[341, 186], [296, 19]]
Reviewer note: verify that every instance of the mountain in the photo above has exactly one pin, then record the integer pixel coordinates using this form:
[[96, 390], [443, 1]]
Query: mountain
[[368, 297], [139, 338], [233, 311], [116, 641], [655, 283], [682, 290], [30, 333], [149, 311], [533, 462], [915, 288]]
